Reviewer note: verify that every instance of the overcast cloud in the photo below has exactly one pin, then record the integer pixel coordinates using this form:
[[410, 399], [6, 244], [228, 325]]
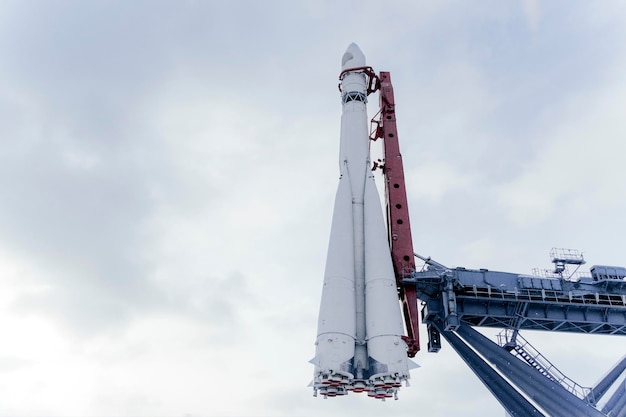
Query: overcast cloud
[[168, 169]]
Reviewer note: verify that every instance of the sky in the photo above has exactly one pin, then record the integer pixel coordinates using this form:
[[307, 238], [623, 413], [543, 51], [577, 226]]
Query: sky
[[168, 170]]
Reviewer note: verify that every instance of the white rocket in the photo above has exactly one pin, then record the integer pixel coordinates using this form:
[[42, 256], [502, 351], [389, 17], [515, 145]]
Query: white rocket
[[359, 343]]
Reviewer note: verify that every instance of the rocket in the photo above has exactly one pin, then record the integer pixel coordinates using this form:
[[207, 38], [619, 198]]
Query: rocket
[[359, 344]]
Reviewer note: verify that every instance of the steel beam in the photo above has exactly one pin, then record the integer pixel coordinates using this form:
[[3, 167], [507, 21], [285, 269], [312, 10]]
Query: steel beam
[[549, 395], [512, 401], [607, 381], [616, 406]]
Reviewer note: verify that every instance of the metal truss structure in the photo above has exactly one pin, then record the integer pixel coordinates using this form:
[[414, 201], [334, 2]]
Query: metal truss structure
[[455, 300], [524, 381]]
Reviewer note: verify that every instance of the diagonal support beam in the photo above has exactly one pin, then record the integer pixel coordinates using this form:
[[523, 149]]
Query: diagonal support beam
[[549, 395], [607, 381], [616, 406], [512, 401]]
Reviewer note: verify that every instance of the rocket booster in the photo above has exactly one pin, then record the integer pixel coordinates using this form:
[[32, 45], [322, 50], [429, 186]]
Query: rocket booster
[[359, 344]]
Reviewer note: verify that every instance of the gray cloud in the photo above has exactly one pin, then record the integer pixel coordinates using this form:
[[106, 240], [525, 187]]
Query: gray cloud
[[167, 171]]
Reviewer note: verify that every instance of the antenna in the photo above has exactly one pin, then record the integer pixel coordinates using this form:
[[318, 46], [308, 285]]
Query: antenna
[[561, 257]]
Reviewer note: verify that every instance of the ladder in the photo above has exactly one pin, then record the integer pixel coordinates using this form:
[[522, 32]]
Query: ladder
[[521, 348]]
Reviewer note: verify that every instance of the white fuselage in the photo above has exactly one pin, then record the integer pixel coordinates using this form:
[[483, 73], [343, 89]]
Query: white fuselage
[[359, 344]]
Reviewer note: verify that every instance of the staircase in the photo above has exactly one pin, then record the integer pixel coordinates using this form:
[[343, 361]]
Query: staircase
[[521, 348]]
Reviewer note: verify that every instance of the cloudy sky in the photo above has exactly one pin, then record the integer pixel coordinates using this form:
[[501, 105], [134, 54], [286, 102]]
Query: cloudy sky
[[168, 169]]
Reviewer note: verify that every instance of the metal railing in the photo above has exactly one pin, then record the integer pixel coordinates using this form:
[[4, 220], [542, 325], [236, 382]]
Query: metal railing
[[541, 295], [527, 352]]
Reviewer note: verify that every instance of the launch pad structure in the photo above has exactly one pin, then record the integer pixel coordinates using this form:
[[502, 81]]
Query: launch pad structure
[[455, 300], [361, 346]]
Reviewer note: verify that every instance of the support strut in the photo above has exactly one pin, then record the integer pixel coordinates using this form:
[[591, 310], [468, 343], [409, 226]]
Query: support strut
[[399, 225], [546, 393]]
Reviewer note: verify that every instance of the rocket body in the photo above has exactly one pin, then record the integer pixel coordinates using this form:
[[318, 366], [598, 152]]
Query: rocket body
[[359, 343]]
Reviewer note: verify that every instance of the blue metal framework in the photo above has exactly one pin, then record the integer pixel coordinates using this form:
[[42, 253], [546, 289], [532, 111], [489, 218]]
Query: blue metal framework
[[506, 300], [456, 299]]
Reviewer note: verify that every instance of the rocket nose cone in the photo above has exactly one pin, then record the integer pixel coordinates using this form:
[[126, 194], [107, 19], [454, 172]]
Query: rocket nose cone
[[352, 58]]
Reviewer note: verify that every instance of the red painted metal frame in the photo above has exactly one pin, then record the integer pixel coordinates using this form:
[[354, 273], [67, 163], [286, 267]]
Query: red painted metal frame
[[373, 83], [398, 224]]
